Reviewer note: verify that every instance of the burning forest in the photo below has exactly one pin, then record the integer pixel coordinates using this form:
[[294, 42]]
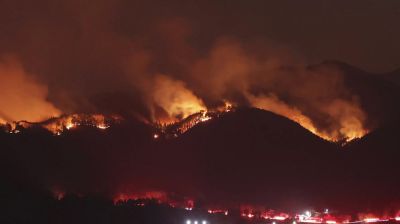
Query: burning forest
[[199, 112]]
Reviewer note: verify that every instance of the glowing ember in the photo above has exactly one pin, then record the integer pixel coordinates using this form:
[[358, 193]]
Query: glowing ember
[[69, 126], [204, 117], [58, 125], [175, 129], [228, 106]]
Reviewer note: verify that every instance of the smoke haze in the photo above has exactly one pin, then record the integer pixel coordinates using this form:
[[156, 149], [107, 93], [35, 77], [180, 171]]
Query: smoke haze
[[161, 61]]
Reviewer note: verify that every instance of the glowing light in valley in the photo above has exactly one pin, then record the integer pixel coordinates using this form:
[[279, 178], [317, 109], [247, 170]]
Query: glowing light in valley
[[218, 211], [281, 218], [246, 212], [102, 126], [368, 220]]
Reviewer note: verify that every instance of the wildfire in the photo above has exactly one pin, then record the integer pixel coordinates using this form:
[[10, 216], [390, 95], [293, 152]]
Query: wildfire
[[175, 98], [67, 122], [72, 121], [177, 128], [185, 110], [151, 195], [350, 120], [273, 104], [218, 211], [157, 196], [58, 125], [21, 96]]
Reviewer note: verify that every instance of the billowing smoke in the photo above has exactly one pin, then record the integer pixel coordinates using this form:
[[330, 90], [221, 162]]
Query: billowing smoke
[[273, 80], [21, 97], [273, 104], [110, 63], [175, 98], [162, 61]]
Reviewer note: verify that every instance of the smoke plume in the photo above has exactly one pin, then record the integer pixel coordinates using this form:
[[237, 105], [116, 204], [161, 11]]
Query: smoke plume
[[111, 63], [21, 97]]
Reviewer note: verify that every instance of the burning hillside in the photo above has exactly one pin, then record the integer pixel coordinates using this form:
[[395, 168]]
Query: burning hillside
[[213, 104], [66, 122], [191, 115], [323, 104], [172, 128], [175, 129]]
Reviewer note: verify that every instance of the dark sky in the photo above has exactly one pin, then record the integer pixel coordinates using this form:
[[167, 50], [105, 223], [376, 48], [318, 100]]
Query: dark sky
[[363, 33]]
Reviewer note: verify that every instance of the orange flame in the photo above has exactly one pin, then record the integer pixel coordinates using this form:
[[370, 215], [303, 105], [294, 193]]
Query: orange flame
[[273, 104], [67, 122], [72, 121], [350, 118], [175, 98]]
